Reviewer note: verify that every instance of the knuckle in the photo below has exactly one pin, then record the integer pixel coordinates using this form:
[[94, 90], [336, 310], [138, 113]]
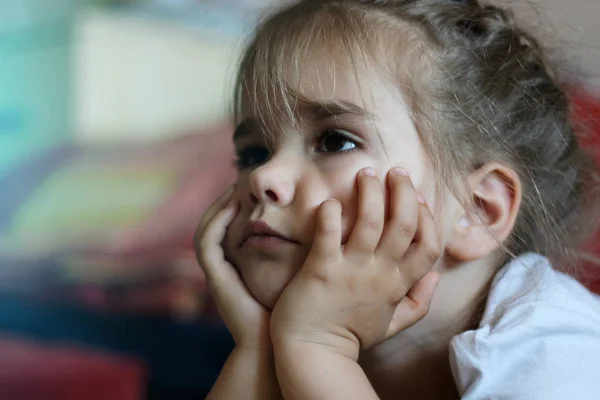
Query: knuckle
[[321, 275], [421, 310], [321, 255], [371, 220], [327, 228], [432, 250], [204, 246], [373, 224], [404, 227]]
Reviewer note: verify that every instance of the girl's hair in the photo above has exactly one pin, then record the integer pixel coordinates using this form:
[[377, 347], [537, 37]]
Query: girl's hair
[[480, 88]]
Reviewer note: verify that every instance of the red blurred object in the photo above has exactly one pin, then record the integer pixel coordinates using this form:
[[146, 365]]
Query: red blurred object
[[586, 111], [32, 371]]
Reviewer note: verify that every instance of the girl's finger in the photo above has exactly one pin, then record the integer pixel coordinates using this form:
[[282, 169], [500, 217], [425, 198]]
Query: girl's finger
[[426, 248], [213, 209], [403, 218], [209, 249], [231, 295], [415, 305], [370, 217], [328, 230]]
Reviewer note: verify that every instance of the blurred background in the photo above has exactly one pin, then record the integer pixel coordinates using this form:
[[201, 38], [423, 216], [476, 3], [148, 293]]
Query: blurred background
[[114, 138]]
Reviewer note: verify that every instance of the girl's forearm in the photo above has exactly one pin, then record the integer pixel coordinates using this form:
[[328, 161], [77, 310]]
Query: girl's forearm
[[247, 374], [312, 372]]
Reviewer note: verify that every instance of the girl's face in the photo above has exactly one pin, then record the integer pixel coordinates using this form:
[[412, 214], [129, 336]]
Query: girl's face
[[284, 177]]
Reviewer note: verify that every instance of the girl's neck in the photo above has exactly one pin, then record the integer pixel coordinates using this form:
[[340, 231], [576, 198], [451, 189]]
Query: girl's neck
[[415, 362]]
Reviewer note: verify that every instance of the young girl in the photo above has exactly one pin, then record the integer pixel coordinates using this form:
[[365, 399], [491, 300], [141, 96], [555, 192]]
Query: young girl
[[406, 171]]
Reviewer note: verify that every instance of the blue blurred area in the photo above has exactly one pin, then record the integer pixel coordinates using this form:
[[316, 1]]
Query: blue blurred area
[[219, 17], [37, 60], [35, 51], [184, 359]]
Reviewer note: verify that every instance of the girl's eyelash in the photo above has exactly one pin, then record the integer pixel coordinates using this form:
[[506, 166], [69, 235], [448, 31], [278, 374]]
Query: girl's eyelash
[[254, 155], [250, 157], [236, 162], [340, 133]]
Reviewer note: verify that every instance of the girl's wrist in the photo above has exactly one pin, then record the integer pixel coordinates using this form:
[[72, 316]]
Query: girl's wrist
[[294, 347], [258, 358], [254, 348], [260, 342]]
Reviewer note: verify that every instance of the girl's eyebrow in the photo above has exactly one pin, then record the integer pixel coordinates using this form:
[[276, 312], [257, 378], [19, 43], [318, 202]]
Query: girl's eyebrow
[[312, 111], [318, 111]]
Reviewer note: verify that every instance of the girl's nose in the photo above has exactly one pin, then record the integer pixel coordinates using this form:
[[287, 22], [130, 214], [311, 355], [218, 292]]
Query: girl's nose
[[273, 183]]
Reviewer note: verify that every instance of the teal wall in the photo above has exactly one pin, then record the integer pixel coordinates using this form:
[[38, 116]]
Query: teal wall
[[35, 77]]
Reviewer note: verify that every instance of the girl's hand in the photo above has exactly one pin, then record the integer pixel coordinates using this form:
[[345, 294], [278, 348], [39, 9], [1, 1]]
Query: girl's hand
[[247, 320], [349, 298]]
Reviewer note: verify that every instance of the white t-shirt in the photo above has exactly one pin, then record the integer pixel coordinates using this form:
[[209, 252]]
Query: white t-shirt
[[539, 338]]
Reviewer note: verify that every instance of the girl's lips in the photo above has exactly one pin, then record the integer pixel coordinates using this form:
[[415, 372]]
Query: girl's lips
[[265, 242], [260, 234]]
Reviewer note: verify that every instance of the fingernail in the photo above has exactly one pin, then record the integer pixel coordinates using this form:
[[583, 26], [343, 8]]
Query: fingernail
[[421, 199], [399, 171], [368, 171]]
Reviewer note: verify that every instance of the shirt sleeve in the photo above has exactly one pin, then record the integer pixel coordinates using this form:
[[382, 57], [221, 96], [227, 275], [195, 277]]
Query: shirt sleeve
[[531, 351]]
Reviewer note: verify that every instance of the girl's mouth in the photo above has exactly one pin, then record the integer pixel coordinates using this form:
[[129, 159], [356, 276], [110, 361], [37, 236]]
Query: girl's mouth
[[258, 234]]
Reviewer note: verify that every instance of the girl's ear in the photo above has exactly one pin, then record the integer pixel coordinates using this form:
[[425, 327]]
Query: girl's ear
[[495, 192]]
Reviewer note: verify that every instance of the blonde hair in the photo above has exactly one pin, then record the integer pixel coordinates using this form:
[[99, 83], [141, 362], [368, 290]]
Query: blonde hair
[[480, 90]]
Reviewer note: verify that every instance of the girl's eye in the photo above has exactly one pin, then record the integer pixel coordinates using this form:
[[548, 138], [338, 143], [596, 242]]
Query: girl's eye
[[252, 156], [334, 141]]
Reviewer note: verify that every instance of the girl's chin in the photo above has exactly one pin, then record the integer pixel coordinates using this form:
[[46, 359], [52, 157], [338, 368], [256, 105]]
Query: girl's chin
[[267, 297], [268, 290]]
